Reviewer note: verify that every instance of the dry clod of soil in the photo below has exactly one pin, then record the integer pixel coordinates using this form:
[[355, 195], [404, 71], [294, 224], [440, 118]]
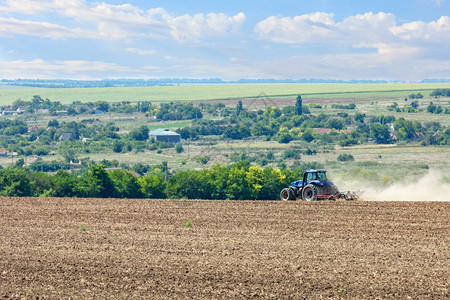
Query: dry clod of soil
[[117, 249]]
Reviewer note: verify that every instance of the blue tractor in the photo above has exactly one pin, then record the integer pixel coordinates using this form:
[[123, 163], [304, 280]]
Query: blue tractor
[[315, 186]]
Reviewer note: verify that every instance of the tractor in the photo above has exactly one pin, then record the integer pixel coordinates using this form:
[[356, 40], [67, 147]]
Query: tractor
[[315, 186]]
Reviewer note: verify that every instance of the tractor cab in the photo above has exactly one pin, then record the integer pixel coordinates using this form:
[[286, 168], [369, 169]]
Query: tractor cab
[[318, 176], [311, 176]]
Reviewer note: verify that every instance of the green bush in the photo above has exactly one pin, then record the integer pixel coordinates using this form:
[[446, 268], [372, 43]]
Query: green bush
[[202, 160], [118, 146], [345, 157], [290, 154], [179, 148]]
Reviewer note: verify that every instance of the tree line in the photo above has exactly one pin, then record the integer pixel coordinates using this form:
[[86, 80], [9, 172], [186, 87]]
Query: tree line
[[239, 181]]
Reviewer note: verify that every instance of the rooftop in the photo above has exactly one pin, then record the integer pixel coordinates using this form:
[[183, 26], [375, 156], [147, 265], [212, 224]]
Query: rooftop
[[162, 131]]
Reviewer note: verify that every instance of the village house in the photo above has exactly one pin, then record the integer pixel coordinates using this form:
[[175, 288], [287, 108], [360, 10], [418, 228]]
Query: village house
[[9, 112], [31, 160], [42, 111], [328, 130], [165, 135], [65, 136], [34, 128]]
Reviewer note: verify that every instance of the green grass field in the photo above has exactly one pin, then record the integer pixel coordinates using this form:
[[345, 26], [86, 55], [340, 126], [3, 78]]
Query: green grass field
[[213, 92]]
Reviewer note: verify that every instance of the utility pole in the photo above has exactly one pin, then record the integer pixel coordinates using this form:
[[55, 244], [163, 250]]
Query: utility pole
[[165, 170]]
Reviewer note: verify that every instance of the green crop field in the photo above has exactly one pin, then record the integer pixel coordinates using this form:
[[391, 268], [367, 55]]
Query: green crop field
[[213, 92]]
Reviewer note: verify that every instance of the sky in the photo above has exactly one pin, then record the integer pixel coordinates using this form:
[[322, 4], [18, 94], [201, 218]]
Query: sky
[[405, 40]]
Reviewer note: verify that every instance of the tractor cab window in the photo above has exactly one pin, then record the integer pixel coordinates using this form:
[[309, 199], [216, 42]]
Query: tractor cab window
[[321, 177], [311, 176]]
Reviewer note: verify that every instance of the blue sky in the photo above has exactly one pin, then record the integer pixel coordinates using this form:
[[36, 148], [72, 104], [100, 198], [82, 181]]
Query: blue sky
[[329, 39]]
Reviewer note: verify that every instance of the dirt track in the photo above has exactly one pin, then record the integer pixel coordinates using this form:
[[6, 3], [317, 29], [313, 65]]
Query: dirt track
[[110, 248]]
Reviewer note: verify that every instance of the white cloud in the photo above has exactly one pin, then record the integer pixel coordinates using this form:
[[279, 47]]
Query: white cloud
[[168, 57], [12, 26], [364, 30], [397, 50], [196, 27], [314, 27], [130, 22], [391, 41], [140, 51], [39, 68], [25, 6], [435, 31], [322, 28]]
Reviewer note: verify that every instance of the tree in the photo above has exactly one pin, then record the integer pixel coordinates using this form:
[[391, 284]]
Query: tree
[[217, 177], [273, 181], [19, 163], [380, 133], [72, 111], [284, 136], [237, 184], [359, 117], [102, 105], [298, 106], [431, 108], [237, 132], [255, 181], [144, 130], [406, 129], [73, 127], [36, 101], [42, 183], [126, 184], [65, 184], [118, 146], [139, 134], [19, 102], [272, 112], [97, 183], [153, 185], [307, 135], [15, 182], [68, 154], [334, 123], [187, 185], [288, 110], [239, 108], [53, 123]]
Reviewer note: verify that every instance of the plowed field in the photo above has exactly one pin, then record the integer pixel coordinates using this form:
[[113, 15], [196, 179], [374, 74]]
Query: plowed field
[[111, 248]]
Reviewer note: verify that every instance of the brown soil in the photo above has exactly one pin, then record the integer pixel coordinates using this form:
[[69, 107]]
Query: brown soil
[[111, 248]]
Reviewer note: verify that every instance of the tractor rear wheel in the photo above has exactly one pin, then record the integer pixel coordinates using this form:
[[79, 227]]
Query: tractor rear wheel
[[287, 194], [309, 193]]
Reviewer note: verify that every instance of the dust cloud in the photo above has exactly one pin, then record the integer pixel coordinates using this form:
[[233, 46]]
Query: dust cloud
[[433, 186]]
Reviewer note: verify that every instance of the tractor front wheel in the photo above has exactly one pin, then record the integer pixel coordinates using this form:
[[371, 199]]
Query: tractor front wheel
[[309, 193]]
